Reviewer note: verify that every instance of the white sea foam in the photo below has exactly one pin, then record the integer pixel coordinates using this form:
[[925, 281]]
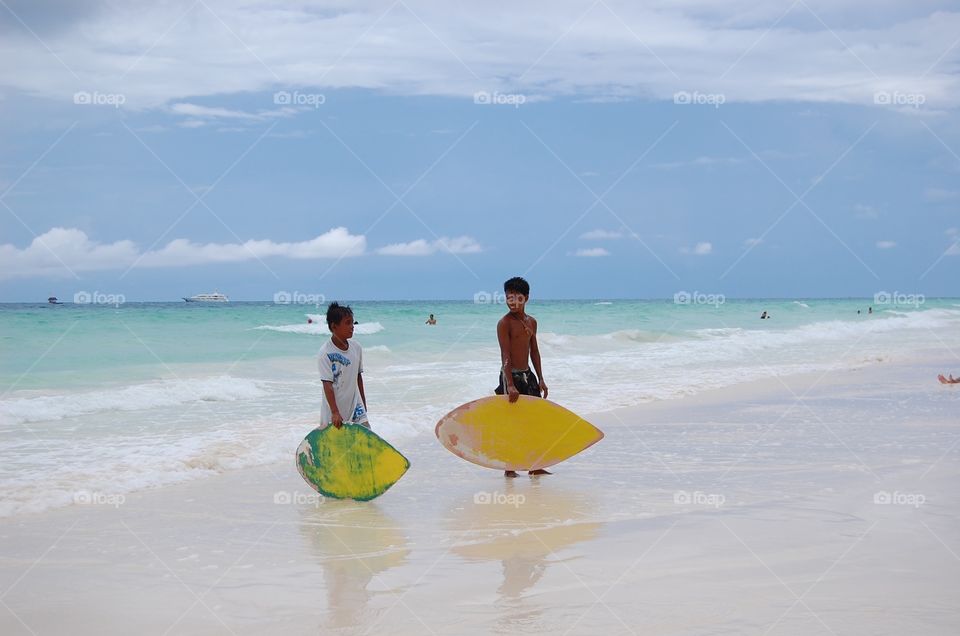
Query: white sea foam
[[152, 434], [120, 464], [729, 343], [634, 335], [367, 328], [137, 397], [319, 327], [607, 339], [313, 329]]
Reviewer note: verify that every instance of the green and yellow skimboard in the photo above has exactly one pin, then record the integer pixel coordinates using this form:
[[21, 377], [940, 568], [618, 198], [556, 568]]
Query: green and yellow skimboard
[[351, 462]]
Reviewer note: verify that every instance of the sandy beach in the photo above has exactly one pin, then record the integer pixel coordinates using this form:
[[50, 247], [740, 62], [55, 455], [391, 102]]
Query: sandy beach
[[815, 503], [726, 234]]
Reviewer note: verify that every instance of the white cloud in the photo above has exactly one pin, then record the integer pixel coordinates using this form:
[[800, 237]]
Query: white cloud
[[336, 243], [939, 195], [60, 251], [601, 235], [592, 252], [700, 249], [194, 110], [745, 50], [201, 115], [886, 245], [422, 247]]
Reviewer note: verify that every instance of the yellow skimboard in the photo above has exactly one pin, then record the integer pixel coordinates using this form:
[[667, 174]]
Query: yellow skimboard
[[351, 462], [530, 434]]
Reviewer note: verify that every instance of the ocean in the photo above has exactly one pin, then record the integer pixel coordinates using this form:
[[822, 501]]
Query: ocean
[[141, 395]]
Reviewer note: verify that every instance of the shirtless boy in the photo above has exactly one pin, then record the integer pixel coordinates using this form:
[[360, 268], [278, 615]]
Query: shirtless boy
[[517, 333]]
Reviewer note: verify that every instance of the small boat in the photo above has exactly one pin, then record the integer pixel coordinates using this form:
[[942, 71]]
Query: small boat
[[215, 297], [53, 301]]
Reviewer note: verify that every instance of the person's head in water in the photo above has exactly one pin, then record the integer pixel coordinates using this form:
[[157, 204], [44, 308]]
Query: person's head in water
[[517, 292], [340, 321]]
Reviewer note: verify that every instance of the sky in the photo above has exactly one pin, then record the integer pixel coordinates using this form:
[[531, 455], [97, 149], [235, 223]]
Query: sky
[[411, 149]]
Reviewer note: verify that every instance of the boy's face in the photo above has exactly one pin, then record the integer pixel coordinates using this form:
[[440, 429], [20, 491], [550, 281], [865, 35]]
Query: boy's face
[[344, 328], [516, 302]]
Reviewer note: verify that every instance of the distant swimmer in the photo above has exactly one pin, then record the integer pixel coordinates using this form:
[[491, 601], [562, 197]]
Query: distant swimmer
[[950, 380], [309, 321], [764, 316], [431, 320], [870, 310]]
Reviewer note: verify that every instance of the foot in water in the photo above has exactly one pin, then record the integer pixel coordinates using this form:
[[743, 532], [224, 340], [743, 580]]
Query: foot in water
[[510, 473], [539, 471]]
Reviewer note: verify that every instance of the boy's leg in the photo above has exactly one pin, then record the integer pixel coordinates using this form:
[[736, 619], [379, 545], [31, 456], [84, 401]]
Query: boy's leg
[[532, 388], [527, 384], [501, 391]]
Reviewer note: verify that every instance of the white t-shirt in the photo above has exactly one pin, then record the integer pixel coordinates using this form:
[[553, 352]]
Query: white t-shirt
[[342, 368]]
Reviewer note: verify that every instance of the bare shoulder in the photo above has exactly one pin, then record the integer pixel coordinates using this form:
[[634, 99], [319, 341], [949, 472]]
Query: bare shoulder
[[533, 322], [504, 327]]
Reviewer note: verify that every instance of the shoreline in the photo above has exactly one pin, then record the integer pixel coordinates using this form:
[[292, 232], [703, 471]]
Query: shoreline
[[709, 513], [739, 391]]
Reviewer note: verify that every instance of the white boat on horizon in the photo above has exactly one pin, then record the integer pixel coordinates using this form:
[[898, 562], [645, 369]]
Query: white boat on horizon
[[215, 297]]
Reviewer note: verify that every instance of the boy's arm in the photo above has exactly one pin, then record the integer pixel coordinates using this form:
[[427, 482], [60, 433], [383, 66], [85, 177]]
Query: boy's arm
[[360, 386], [503, 336], [336, 418], [535, 357]]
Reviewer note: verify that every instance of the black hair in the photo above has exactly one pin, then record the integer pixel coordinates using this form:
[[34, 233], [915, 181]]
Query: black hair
[[337, 312], [517, 285]]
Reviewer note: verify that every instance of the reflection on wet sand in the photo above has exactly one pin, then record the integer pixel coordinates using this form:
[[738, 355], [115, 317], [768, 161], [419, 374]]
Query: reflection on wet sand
[[525, 527], [354, 542]]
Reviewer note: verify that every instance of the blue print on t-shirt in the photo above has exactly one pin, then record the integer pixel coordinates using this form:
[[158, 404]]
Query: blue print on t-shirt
[[339, 357], [334, 359]]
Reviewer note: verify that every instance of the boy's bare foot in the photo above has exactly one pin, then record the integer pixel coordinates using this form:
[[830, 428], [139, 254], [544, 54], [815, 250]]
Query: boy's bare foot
[[509, 473], [539, 471]]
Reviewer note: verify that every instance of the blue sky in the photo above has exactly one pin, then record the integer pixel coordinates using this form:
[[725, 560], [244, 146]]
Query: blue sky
[[829, 167]]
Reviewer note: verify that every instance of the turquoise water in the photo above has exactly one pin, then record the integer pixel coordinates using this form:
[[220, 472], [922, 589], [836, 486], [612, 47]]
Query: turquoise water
[[149, 394], [76, 346]]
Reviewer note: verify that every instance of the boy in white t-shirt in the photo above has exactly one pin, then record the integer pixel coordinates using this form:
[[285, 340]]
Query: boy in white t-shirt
[[341, 371]]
